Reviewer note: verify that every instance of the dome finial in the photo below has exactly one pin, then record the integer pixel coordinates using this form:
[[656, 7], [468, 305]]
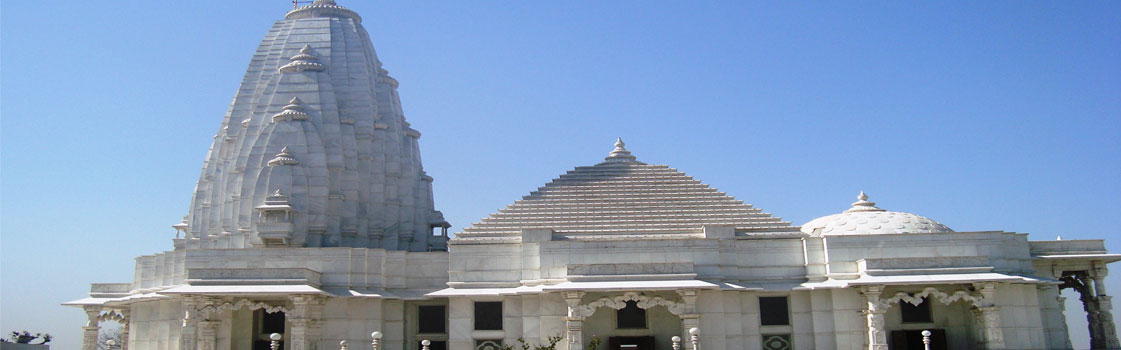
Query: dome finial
[[620, 153], [862, 204]]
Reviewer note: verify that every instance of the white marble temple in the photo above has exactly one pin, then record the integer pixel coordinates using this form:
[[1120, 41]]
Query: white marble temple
[[313, 219]]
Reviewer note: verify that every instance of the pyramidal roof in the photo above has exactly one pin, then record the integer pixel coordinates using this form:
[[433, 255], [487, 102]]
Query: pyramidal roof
[[623, 197]]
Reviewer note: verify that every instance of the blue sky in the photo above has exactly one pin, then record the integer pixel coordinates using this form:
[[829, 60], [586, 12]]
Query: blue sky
[[999, 115]]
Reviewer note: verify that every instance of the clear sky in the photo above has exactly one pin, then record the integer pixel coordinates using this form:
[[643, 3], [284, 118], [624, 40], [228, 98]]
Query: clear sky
[[994, 115]]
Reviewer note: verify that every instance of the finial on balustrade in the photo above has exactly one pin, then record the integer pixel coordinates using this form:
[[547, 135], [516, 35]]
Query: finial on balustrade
[[275, 343], [695, 337], [376, 336]]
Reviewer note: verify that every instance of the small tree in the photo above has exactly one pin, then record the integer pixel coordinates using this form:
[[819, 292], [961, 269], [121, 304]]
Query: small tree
[[25, 337], [107, 334]]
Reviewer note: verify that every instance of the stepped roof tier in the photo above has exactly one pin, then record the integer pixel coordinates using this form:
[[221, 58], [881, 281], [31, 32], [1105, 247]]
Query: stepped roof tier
[[623, 197], [318, 119]]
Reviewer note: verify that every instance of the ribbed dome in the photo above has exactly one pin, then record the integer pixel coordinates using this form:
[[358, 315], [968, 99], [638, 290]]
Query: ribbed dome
[[624, 197], [864, 218]]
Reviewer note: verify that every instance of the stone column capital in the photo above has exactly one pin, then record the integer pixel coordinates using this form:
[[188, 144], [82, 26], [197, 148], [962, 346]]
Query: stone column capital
[[1099, 271]]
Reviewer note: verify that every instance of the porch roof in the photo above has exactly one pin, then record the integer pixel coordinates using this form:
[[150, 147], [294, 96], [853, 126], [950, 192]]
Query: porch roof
[[631, 285], [263, 289], [924, 279]]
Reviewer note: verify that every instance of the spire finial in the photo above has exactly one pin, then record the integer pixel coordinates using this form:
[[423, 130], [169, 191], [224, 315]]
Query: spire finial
[[862, 204], [620, 153]]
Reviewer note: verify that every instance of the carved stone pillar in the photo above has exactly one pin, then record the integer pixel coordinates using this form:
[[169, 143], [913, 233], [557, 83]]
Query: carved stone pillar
[[574, 322], [689, 321], [1090, 305], [988, 315], [874, 313], [305, 321], [689, 317], [125, 320], [574, 330], [1105, 322], [208, 334], [208, 324], [1107, 329], [1063, 319], [1057, 313], [188, 333], [89, 332]]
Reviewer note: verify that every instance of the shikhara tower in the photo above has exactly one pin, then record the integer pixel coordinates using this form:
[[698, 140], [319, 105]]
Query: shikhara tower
[[314, 150], [314, 219]]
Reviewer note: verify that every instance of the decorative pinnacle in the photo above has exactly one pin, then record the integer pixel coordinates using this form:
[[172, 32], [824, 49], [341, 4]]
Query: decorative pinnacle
[[295, 103], [620, 153], [283, 158], [862, 204]]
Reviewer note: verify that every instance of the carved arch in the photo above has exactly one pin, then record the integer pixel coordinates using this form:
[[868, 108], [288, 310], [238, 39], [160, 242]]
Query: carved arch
[[620, 302], [942, 297], [112, 315], [243, 303]]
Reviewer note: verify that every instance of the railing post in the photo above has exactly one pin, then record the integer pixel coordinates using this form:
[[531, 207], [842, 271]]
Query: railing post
[[926, 340], [695, 338], [424, 344], [676, 342]]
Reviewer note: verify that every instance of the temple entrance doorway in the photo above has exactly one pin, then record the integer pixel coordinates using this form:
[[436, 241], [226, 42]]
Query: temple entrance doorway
[[632, 328]]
